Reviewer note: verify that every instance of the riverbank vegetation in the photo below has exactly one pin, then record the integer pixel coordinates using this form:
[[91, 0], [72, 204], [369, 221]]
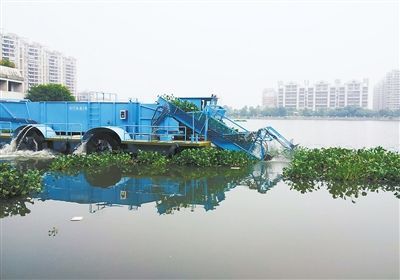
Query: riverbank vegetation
[[346, 112], [16, 183]]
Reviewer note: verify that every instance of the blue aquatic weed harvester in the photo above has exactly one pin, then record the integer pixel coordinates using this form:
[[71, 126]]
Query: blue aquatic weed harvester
[[103, 126]]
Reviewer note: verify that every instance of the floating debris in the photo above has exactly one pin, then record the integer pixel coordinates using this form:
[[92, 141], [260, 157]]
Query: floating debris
[[53, 232], [76, 219]]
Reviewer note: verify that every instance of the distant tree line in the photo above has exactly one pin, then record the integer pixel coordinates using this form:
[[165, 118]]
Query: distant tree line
[[350, 112]]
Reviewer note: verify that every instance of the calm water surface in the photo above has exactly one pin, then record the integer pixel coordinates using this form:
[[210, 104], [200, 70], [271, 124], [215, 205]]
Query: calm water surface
[[214, 223]]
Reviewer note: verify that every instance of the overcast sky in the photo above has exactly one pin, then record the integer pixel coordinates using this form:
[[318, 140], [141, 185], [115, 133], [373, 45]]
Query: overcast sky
[[233, 49]]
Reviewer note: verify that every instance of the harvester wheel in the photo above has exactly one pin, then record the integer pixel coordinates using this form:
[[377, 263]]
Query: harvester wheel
[[100, 143], [173, 150], [30, 139]]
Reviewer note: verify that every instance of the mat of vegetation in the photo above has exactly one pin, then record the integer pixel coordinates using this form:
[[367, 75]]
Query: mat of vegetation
[[345, 173], [207, 157], [375, 165], [72, 163], [184, 105], [16, 183]]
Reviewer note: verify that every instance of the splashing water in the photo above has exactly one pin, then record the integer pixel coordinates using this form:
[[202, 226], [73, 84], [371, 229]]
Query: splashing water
[[9, 148], [10, 151], [80, 149], [278, 153], [25, 133]]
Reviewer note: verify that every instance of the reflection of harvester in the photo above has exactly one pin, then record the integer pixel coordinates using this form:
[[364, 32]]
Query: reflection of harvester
[[168, 193], [186, 188], [104, 126]]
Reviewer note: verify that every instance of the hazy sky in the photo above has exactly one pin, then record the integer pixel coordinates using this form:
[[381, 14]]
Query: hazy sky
[[233, 49]]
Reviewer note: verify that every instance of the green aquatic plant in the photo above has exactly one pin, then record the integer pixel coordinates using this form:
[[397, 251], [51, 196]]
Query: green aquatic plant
[[155, 161], [96, 162], [345, 172], [208, 157], [184, 105], [16, 183], [339, 164], [152, 159], [75, 163]]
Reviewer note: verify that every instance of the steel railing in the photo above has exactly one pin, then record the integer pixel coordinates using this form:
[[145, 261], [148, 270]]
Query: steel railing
[[63, 130], [154, 133]]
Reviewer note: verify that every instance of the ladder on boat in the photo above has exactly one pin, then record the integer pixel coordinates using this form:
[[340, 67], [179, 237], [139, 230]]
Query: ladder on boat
[[224, 132], [94, 114]]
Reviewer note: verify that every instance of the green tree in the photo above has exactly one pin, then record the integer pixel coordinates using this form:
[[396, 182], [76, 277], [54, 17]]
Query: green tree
[[282, 112], [7, 63], [244, 112], [49, 92]]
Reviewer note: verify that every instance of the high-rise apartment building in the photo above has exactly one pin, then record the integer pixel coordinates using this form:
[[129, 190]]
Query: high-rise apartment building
[[269, 98], [68, 73], [387, 92], [323, 95], [378, 98], [32, 65], [37, 64], [11, 48]]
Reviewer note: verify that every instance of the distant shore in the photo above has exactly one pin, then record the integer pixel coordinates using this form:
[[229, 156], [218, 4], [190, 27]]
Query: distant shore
[[317, 118]]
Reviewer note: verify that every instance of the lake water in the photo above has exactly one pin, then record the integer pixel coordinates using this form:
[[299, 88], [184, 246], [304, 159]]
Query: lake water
[[213, 223]]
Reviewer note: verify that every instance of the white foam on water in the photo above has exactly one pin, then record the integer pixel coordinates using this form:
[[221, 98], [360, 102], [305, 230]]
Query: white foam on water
[[80, 149], [9, 148], [9, 151]]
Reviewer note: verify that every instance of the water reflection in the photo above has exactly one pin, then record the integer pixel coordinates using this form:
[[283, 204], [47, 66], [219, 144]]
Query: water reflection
[[171, 191], [15, 207], [345, 190], [180, 188]]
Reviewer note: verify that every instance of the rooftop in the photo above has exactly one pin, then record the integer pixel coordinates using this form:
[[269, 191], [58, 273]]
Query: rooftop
[[10, 73]]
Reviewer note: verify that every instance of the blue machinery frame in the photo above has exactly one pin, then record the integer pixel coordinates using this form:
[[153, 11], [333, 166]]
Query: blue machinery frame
[[130, 126]]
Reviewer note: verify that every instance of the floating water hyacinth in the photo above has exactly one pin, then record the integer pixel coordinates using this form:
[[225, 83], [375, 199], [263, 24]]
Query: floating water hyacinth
[[344, 172], [15, 183], [339, 164], [206, 157]]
